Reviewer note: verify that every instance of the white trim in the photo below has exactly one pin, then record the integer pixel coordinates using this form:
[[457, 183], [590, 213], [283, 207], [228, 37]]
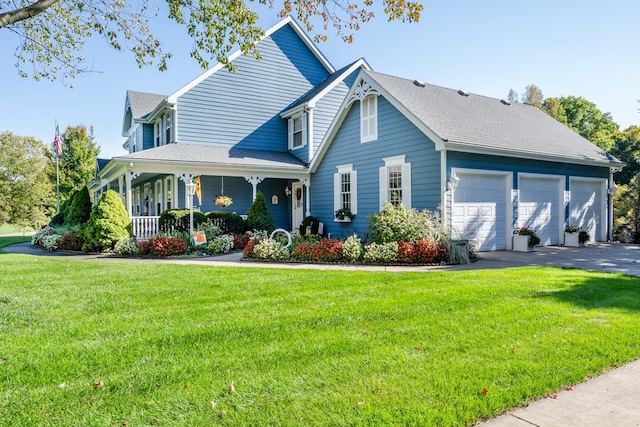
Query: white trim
[[168, 186], [443, 186], [383, 181], [235, 55], [303, 130], [508, 177], [337, 188]]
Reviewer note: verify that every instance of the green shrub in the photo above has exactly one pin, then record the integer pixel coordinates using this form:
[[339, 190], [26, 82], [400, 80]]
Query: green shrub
[[383, 252], [271, 249], [108, 223], [220, 245], [258, 216], [66, 206], [397, 224], [126, 246], [228, 222], [352, 248], [79, 209], [57, 219], [177, 221]]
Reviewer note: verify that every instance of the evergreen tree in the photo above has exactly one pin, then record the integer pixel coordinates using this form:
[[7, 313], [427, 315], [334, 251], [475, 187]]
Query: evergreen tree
[[108, 223], [79, 210], [258, 216]]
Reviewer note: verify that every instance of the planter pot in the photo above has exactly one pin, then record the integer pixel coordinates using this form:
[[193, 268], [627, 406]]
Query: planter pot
[[345, 219], [572, 240], [521, 243]]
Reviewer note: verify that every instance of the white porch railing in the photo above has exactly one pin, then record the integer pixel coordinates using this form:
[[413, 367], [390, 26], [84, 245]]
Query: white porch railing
[[144, 227]]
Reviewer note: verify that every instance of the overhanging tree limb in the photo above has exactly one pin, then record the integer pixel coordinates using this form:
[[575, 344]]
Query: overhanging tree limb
[[27, 12]]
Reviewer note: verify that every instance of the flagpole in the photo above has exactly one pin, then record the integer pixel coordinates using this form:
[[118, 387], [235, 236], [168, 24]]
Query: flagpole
[[57, 184]]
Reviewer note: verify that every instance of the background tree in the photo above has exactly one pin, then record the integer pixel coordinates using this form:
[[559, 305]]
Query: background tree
[[513, 96], [552, 107], [532, 96], [52, 33], [78, 209], [26, 193], [78, 162], [626, 147]]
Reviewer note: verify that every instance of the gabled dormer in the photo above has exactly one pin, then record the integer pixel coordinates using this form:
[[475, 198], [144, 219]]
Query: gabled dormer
[[309, 117], [139, 119]]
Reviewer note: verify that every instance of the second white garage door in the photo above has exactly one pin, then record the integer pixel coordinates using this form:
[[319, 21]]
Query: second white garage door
[[587, 206], [539, 206], [479, 209]]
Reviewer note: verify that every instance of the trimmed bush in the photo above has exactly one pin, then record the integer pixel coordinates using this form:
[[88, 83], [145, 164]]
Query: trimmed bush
[[258, 216], [177, 220], [108, 223], [271, 249], [79, 209], [228, 222], [162, 246], [384, 252], [126, 246], [70, 242]]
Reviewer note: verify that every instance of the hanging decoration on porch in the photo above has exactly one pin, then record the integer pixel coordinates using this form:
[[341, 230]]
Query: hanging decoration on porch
[[198, 189], [222, 200]]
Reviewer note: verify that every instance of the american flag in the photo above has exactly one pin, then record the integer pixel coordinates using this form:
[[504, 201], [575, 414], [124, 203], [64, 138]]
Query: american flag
[[57, 142]]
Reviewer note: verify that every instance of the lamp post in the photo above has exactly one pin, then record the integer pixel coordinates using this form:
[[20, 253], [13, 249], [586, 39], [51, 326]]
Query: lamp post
[[191, 187]]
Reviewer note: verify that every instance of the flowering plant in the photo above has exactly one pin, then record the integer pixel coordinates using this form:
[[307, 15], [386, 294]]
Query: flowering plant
[[223, 201], [342, 214], [527, 231]]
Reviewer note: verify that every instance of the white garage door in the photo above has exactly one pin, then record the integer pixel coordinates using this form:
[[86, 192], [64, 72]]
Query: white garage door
[[586, 208], [479, 210], [539, 207]]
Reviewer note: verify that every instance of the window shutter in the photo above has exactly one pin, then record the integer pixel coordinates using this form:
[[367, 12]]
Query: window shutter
[[336, 191], [384, 183], [406, 185], [303, 119], [354, 192], [290, 124]]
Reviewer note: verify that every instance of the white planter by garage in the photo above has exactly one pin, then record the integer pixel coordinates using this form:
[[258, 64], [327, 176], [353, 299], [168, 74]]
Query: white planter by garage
[[572, 240], [521, 243]]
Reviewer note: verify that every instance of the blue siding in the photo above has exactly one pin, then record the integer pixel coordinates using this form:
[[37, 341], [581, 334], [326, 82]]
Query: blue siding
[[396, 136], [508, 164], [147, 137], [242, 109]]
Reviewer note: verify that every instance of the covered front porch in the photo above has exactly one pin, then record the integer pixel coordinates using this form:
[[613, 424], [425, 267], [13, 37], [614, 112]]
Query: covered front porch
[[150, 186]]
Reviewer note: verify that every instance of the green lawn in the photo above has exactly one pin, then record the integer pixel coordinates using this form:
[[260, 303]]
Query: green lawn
[[10, 229], [109, 343]]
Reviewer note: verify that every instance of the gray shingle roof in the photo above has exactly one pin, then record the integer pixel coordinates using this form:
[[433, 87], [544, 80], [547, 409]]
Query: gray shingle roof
[[481, 122], [143, 103], [227, 156]]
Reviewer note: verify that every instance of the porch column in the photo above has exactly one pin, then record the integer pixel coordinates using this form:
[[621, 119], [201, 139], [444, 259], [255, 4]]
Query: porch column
[[128, 198], [120, 185], [254, 181], [307, 184]]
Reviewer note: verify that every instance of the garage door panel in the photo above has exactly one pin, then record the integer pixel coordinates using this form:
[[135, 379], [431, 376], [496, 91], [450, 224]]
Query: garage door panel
[[479, 210], [539, 207], [586, 206]]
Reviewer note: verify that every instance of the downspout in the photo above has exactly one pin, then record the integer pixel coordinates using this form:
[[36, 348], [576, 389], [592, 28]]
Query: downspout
[[310, 133], [174, 113], [443, 186], [610, 193]]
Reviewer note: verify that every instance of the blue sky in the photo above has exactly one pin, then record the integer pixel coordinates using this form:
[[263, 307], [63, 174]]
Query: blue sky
[[566, 47]]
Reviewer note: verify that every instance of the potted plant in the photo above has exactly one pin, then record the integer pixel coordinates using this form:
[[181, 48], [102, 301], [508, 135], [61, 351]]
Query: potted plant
[[525, 239], [344, 215], [571, 236]]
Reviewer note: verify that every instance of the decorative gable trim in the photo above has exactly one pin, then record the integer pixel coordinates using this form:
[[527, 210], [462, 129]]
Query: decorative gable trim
[[361, 90], [173, 98]]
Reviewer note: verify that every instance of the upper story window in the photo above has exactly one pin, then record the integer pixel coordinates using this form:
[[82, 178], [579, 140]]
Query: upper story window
[[167, 129], [297, 131], [156, 134], [395, 182], [369, 118], [345, 186]]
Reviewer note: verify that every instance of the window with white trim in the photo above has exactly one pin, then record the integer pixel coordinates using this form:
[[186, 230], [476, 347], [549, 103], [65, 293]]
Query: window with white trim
[[168, 185], [369, 118], [167, 129], [156, 134], [297, 131], [345, 186], [395, 182]]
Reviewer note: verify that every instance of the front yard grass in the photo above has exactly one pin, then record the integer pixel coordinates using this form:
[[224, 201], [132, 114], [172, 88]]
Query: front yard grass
[[110, 343]]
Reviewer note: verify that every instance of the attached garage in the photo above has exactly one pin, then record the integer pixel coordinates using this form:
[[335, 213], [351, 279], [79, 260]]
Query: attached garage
[[541, 206], [586, 206], [479, 208]]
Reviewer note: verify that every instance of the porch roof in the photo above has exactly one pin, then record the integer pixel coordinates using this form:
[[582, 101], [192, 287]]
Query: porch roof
[[217, 155]]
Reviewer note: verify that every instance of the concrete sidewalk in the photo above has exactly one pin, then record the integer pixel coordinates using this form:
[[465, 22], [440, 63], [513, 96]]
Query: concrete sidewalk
[[610, 399]]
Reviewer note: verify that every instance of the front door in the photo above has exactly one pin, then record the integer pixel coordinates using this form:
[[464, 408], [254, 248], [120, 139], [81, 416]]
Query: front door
[[297, 214]]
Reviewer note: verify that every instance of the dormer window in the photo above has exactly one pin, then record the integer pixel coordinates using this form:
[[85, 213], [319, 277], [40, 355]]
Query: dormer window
[[297, 131]]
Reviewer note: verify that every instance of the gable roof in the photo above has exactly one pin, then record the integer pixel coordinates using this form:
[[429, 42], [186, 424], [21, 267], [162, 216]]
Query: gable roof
[[461, 121], [286, 21], [326, 85], [143, 103]]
